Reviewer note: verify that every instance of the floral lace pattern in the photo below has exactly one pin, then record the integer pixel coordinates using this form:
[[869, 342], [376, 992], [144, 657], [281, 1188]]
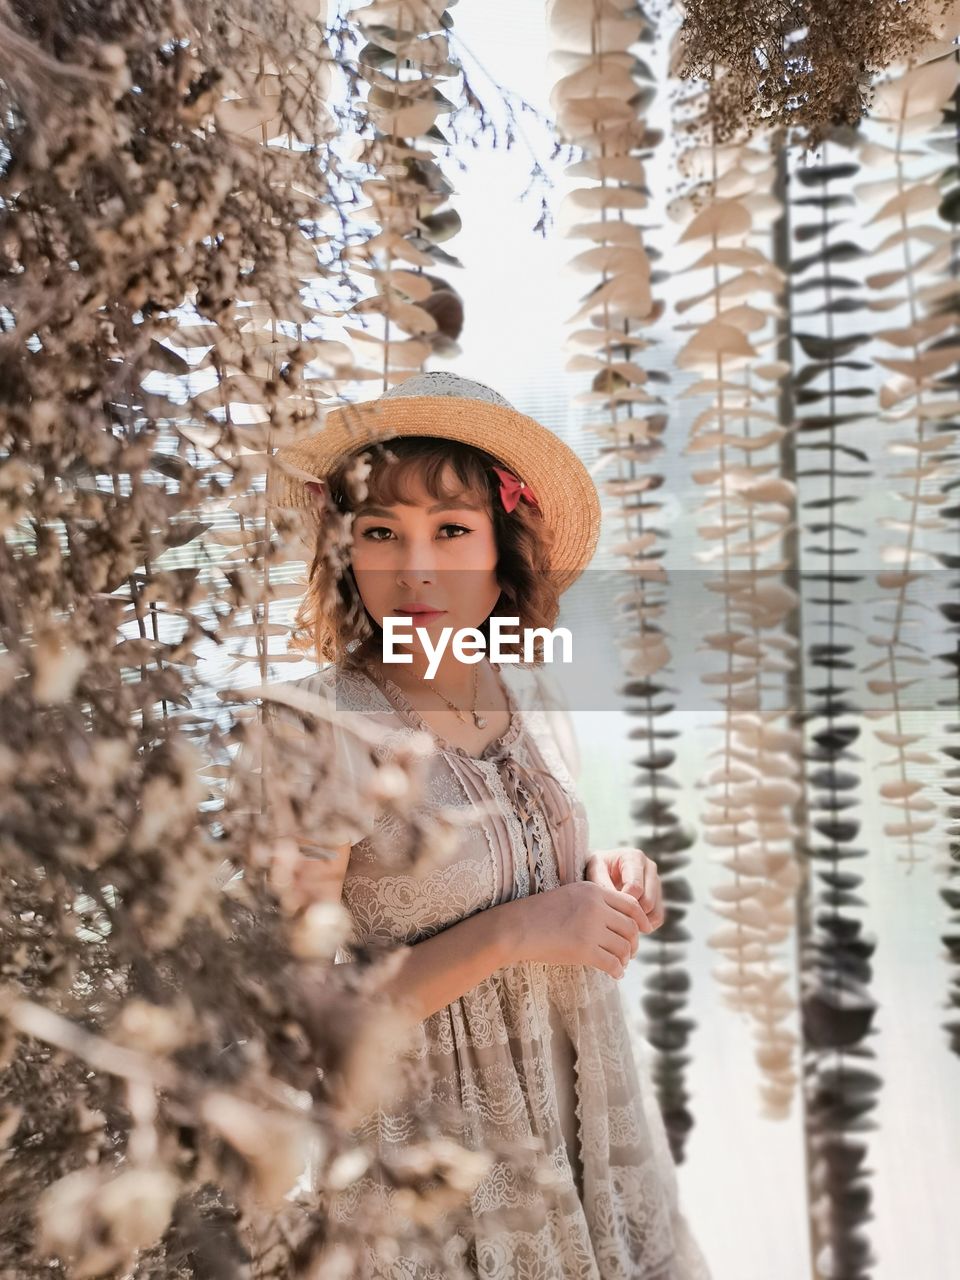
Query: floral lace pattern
[[536, 1055]]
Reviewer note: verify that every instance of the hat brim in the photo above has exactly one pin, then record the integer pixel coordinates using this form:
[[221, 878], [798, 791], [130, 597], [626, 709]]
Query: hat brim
[[564, 489]]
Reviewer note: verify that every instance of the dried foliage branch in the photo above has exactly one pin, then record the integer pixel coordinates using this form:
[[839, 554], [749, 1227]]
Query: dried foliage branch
[[602, 98], [734, 307], [405, 60], [165, 185], [949, 380], [841, 1086], [808, 66], [903, 202], [418, 104]]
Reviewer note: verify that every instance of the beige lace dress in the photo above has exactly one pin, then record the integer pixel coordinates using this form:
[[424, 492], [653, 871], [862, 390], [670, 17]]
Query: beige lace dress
[[538, 1056]]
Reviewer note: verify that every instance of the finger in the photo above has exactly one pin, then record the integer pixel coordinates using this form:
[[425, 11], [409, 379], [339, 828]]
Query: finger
[[612, 861], [651, 900], [643, 920], [626, 924], [628, 905], [609, 963], [621, 867], [643, 883], [619, 946], [634, 885], [635, 877], [634, 937], [598, 871], [645, 896], [657, 915]]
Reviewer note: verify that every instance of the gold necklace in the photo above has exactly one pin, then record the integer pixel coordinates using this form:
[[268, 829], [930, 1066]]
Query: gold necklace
[[478, 719]]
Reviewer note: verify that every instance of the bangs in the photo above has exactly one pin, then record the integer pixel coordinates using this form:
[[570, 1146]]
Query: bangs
[[447, 469]]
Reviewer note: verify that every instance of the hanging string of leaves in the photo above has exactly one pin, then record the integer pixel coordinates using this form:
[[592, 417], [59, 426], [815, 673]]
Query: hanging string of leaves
[[405, 60], [601, 99], [841, 1088], [925, 346], [727, 211], [948, 381]]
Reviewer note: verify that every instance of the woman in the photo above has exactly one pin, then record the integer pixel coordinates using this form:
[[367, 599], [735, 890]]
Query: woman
[[517, 937]]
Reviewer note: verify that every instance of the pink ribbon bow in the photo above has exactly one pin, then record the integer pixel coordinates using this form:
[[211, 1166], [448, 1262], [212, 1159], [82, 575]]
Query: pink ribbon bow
[[513, 489]]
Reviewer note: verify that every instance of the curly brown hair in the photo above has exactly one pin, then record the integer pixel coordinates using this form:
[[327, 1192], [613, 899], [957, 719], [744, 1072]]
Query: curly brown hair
[[332, 620]]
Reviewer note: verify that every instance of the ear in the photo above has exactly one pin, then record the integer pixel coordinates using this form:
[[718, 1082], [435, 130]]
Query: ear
[[317, 490]]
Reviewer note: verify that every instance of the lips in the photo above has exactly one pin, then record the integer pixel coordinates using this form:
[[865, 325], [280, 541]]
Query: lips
[[418, 611]]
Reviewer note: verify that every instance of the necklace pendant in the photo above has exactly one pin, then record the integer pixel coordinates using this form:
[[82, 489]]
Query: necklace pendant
[[479, 720]]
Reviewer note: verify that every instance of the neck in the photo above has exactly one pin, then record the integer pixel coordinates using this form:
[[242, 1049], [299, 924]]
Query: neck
[[454, 679]]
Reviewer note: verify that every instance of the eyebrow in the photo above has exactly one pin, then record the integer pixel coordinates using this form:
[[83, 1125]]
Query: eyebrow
[[437, 506]]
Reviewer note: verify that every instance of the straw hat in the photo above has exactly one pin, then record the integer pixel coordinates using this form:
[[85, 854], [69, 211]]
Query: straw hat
[[457, 408]]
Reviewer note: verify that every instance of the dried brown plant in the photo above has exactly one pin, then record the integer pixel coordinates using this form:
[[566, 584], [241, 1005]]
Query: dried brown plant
[[177, 1045], [808, 65], [166, 189]]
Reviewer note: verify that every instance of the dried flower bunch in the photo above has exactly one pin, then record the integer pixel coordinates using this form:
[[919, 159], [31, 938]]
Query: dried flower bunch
[[807, 65], [165, 192]]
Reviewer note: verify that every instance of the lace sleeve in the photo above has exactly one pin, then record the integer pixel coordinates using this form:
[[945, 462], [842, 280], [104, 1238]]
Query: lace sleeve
[[561, 722]]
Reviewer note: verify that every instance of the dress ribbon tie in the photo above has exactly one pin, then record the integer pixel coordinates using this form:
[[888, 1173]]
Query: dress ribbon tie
[[541, 787]]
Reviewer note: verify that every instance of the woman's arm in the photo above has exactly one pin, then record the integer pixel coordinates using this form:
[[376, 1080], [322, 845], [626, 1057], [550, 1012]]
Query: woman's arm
[[440, 969], [437, 970], [580, 923]]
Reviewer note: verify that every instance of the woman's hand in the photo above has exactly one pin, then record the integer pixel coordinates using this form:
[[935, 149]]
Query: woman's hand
[[630, 871], [578, 923]]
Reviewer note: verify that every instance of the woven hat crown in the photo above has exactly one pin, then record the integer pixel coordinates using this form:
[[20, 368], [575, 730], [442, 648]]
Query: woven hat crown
[[439, 383]]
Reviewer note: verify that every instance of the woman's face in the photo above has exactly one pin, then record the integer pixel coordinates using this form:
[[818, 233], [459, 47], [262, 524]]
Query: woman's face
[[427, 552]]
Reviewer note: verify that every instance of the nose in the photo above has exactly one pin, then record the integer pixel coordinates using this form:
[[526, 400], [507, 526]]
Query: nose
[[414, 575], [416, 560], [416, 564]]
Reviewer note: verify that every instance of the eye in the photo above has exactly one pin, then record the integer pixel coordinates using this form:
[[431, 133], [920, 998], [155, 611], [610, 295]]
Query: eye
[[382, 528]]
